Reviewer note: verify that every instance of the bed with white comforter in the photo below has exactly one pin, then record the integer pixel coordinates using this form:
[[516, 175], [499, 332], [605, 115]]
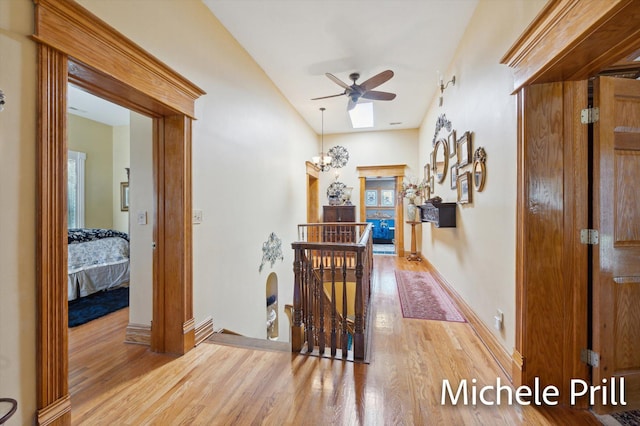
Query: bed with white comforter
[[98, 259]]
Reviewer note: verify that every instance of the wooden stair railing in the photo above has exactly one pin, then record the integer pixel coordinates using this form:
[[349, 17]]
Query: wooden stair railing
[[327, 274]]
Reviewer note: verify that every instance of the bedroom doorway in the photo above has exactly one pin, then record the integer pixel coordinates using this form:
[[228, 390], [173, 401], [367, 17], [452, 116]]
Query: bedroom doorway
[[114, 192], [107, 64]]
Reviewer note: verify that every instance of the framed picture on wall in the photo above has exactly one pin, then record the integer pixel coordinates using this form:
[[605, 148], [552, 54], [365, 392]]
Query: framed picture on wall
[[387, 197], [464, 149], [124, 196], [451, 141], [464, 188], [371, 197], [454, 176]]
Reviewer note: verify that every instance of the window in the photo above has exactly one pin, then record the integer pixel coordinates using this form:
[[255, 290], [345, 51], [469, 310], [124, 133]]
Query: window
[[75, 189]]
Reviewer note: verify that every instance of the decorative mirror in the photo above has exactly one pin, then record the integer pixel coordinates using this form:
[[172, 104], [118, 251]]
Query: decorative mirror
[[479, 168], [441, 157]]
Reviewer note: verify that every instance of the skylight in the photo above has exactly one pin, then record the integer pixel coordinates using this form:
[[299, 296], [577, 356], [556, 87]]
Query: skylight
[[362, 115]]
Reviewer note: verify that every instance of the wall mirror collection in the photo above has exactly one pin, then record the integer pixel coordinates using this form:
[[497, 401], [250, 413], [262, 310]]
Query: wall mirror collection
[[461, 149]]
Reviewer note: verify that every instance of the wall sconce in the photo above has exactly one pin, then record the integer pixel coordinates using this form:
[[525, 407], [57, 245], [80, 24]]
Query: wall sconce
[[444, 86], [1, 100]]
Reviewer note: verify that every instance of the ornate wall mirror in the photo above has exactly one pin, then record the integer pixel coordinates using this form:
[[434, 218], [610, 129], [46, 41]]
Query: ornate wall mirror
[[479, 168], [441, 156]]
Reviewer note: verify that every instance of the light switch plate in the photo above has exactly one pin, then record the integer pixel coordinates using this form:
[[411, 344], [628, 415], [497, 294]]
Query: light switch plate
[[142, 218], [197, 216]]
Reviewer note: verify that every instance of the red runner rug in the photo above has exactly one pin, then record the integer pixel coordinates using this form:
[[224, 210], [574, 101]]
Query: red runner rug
[[422, 297]]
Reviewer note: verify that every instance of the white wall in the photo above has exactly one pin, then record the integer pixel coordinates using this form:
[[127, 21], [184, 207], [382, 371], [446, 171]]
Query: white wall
[[141, 235], [372, 149], [249, 149], [478, 257]]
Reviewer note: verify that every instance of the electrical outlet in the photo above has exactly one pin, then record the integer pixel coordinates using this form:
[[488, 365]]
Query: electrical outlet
[[197, 216], [498, 319]]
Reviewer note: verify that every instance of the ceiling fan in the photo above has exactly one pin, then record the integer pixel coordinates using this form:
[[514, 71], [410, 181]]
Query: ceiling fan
[[363, 90]]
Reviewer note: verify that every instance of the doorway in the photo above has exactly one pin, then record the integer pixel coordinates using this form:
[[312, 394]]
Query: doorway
[[380, 200], [111, 66], [393, 172]]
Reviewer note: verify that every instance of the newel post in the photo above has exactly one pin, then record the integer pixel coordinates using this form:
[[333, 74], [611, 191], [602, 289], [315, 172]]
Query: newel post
[[296, 326]]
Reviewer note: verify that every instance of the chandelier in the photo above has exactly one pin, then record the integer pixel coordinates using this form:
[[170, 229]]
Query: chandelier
[[322, 161]]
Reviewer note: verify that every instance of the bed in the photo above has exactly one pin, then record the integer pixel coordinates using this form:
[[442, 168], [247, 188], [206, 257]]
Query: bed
[[98, 259]]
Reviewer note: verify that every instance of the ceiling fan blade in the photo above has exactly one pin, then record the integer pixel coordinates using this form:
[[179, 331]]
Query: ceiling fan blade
[[352, 104], [376, 80], [330, 96], [379, 96], [337, 81]]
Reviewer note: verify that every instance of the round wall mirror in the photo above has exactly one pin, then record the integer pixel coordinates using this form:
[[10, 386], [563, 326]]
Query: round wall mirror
[[441, 160], [479, 170], [479, 173]]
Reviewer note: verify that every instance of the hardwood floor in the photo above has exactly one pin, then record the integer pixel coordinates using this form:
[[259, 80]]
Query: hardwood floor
[[116, 383]]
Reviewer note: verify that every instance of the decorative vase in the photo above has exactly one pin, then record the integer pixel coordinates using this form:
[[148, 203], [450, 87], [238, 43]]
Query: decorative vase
[[346, 196], [411, 209]]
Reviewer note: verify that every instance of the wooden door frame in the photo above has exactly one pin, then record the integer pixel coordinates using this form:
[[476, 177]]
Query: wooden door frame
[[313, 181], [569, 42], [396, 171], [111, 66]]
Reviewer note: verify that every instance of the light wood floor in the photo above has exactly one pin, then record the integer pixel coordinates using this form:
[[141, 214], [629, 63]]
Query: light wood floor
[[116, 383]]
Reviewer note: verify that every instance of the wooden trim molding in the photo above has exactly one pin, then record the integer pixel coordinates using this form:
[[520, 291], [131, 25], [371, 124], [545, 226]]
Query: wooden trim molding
[[68, 27], [400, 222], [312, 169], [204, 330], [313, 197], [138, 334], [517, 368], [381, 171], [58, 411], [75, 46], [51, 244], [174, 309], [483, 332], [574, 40]]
